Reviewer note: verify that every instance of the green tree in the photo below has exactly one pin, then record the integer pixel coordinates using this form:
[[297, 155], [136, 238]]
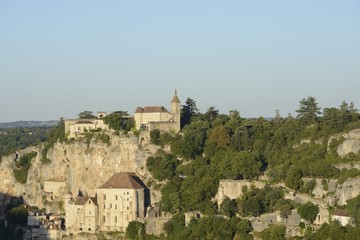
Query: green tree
[[308, 111], [229, 207], [283, 207], [308, 211], [187, 111], [353, 207], [162, 166], [211, 113], [135, 230], [293, 179], [218, 139], [155, 137], [119, 120], [274, 232], [86, 115]]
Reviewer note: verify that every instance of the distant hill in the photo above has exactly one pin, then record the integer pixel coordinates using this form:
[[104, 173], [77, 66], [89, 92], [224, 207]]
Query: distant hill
[[28, 124]]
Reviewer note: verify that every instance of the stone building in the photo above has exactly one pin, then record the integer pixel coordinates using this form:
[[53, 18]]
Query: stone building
[[82, 215], [53, 187], [120, 200], [158, 117], [77, 127]]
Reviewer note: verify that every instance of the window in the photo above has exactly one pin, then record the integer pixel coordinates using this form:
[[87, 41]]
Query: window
[[115, 219], [89, 212], [104, 206], [115, 206], [89, 229], [104, 197], [115, 197], [104, 218], [127, 193], [127, 208], [110, 205]]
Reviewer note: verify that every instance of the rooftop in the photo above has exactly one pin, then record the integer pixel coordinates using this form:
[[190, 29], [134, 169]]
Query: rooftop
[[151, 109], [128, 180]]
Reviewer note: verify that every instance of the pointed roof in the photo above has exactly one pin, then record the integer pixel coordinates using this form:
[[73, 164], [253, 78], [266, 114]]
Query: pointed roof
[[128, 180], [175, 97]]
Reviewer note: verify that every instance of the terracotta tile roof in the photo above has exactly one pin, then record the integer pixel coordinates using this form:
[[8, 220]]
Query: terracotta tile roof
[[151, 109], [84, 122], [80, 200], [341, 212], [127, 180]]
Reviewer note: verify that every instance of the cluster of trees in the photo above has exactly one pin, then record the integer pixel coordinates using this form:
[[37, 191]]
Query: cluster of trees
[[214, 146], [210, 227], [20, 138]]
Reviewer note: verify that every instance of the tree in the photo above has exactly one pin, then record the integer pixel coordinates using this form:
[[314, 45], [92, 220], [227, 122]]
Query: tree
[[86, 115], [116, 121], [135, 230], [283, 207], [187, 111], [293, 179], [308, 111], [274, 232], [353, 207], [211, 113], [218, 139], [155, 136], [308, 211], [228, 207]]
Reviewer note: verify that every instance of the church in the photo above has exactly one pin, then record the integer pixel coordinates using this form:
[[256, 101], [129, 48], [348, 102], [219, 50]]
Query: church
[[158, 117]]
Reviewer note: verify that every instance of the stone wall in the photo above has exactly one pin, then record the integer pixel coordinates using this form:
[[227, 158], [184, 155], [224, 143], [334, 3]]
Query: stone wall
[[233, 188]]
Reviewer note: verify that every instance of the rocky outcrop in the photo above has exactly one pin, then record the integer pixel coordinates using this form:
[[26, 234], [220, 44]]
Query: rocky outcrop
[[85, 166], [351, 143]]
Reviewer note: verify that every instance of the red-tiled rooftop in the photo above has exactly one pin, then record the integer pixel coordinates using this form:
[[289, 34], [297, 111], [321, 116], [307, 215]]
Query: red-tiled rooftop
[[151, 109], [341, 212], [84, 122], [128, 180]]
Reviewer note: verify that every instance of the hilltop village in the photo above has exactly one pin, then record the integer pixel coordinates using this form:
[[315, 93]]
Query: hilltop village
[[164, 179]]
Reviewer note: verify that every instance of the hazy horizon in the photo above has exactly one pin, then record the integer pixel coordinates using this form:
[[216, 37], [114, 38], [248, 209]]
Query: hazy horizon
[[61, 58]]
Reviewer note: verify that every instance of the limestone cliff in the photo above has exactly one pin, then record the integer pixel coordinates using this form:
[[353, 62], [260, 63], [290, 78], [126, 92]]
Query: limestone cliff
[[83, 165], [351, 143]]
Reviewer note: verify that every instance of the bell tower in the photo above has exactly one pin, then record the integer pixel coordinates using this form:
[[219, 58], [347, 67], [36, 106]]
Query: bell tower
[[175, 109]]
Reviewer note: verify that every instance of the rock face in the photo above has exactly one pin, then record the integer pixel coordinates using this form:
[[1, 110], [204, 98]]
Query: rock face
[[351, 143], [85, 166]]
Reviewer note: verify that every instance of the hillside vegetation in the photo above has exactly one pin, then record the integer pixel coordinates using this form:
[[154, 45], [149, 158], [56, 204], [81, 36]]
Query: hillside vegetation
[[215, 146]]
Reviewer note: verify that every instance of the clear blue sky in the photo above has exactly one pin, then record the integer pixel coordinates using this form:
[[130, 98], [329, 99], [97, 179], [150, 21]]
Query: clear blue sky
[[58, 58]]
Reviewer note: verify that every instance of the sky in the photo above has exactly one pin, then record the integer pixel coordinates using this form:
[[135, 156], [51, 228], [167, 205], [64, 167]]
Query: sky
[[59, 58]]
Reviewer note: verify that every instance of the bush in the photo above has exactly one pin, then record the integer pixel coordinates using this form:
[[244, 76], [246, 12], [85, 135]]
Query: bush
[[23, 165], [135, 230]]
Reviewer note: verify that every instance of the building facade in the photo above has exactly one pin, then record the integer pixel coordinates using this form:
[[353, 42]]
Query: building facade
[[78, 127], [120, 200], [158, 117]]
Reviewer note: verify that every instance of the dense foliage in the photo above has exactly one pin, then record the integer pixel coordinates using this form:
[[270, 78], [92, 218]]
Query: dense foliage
[[21, 138], [214, 146], [211, 227], [118, 121], [135, 231], [23, 165]]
